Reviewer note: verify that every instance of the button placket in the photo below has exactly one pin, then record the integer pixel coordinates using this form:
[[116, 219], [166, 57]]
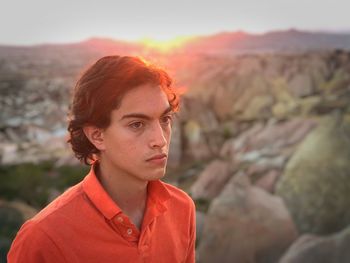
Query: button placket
[[126, 228], [144, 242]]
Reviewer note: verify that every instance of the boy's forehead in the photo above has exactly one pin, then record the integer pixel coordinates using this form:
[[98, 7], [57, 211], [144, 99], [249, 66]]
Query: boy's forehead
[[146, 99]]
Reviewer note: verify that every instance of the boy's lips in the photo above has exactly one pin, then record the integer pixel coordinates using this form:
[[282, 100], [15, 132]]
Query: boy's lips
[[157, 157]]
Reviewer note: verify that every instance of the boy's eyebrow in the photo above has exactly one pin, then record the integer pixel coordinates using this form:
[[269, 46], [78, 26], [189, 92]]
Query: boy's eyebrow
[[144, 116]]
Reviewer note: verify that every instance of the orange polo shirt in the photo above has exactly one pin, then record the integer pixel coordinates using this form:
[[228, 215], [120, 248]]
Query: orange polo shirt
[[85, 225]]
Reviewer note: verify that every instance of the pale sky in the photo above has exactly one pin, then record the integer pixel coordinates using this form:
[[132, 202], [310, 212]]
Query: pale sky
[[45, 21]]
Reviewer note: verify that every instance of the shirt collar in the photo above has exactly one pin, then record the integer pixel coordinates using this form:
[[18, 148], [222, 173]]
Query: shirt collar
[[157, 192], [98, 196], [157, 195]]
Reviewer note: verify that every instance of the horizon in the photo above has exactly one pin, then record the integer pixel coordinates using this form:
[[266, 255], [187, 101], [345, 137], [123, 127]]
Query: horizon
[[176, 40]]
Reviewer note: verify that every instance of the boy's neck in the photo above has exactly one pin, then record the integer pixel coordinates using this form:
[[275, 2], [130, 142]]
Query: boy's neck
[[129, 193]]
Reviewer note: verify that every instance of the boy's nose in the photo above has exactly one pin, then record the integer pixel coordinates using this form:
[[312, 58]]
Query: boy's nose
[[158, 139]]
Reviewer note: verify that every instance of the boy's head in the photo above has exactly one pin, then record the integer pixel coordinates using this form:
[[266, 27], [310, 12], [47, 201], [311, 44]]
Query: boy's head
[[101, 89]]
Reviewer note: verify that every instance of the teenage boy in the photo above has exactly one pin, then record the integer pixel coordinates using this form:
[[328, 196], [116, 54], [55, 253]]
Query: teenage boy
[[120, 124]]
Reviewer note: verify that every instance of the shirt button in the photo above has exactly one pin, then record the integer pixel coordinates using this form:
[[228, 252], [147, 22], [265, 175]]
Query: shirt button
[[129, 231], [120, 219]]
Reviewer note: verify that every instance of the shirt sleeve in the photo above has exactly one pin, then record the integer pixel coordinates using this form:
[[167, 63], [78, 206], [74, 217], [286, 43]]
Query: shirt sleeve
[[191, 248], [33, 245]]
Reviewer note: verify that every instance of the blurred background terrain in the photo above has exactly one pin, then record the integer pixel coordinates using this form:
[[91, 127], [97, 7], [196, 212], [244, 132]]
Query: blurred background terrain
[[261, 143]]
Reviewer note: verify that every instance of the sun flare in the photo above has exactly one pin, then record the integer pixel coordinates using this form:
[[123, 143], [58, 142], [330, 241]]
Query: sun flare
[[165, 45]]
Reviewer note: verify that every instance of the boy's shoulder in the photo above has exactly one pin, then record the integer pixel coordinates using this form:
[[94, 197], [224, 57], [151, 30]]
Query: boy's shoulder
[[178, 196], [64, 202], [39, 233]]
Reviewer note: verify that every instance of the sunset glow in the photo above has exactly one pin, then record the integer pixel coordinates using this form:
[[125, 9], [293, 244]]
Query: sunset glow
[[167, 45]]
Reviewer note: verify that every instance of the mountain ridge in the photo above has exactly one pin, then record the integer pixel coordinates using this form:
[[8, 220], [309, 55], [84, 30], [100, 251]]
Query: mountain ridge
[[236, 42]]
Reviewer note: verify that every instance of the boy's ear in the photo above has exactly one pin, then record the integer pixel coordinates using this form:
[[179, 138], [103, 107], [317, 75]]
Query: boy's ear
[[95, 136]]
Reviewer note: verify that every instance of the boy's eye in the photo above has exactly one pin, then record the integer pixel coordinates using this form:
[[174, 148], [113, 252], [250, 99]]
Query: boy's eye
[[136, 125], [167, 119]]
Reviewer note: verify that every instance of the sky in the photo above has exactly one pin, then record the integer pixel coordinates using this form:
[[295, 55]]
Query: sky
[[46, 21]]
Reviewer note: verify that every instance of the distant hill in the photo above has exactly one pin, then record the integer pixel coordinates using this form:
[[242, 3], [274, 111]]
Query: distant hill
[[89, 48], [276, 41], [223, 43]]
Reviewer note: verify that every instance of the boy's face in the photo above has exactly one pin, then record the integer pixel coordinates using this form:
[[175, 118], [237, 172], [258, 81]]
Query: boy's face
[[137, 141]]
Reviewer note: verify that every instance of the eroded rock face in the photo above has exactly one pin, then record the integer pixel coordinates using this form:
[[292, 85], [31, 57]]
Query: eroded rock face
[[269, 139], [264, 86], [265, 148], [211, 181], [196, 145], [301, 85], [316, 249], [316, 181], [246, 224], [268, 180]]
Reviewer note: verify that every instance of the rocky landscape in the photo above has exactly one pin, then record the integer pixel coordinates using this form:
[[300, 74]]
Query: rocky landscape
[[273, 133], [262, 144]]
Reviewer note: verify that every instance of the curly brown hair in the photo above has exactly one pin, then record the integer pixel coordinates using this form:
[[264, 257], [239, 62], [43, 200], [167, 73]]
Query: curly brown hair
[[100, 90]]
